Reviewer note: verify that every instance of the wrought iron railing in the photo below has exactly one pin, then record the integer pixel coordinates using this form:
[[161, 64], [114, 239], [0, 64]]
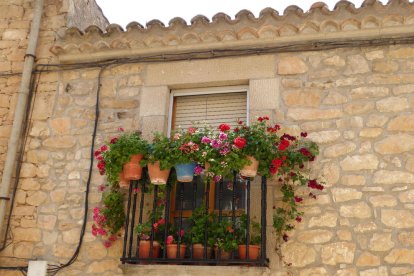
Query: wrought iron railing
[[138, 203]]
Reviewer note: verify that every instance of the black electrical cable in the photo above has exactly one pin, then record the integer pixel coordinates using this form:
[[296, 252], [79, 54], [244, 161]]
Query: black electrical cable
[[75, 255], [25, 129]]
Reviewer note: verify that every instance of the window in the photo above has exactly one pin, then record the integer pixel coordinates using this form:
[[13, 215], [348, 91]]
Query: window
[[210, 106]]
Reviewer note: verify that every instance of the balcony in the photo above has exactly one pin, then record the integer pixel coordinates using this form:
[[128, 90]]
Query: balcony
[[227, 202]]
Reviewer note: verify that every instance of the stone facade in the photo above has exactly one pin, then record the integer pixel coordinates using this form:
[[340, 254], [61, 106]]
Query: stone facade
[[356, 102]]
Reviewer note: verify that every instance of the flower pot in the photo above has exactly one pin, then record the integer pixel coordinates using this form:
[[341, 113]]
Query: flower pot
[[198, 251], [254, 252], [185, 172], [136, 158], [172, 251], [132, 169], [250, 170], [144, 249], [224, 255], [123, 183], [157, 176]]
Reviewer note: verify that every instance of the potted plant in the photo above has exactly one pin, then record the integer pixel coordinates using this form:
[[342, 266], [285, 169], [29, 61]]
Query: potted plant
[[225, 239], [201, 225], [122, 154], [159, 159], [176, 238], [184, 148], [254, 236], [220, 151]]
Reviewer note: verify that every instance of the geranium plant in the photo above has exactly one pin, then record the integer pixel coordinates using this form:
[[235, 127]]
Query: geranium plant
[[115, 153], [185, 145], [160, 150], [221, 152]]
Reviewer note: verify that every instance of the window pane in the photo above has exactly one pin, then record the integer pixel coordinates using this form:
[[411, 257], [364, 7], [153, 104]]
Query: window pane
[[227, 194], [188, 194]]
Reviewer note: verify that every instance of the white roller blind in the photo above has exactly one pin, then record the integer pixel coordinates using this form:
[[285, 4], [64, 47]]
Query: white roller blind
[[210, 109]]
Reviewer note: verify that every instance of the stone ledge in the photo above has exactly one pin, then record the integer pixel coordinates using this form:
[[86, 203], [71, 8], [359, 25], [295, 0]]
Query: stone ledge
[[163, 270]]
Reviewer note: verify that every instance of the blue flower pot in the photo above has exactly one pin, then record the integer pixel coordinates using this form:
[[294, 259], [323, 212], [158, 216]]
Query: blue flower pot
[[185, 172]]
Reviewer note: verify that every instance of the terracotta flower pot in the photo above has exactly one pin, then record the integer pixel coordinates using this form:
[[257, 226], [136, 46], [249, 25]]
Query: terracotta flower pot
[[198, 251], [123, 183], [250, 170], [172, 251], [144, 249], [157, 176], [254, 252], [224, 255], [132, 169]]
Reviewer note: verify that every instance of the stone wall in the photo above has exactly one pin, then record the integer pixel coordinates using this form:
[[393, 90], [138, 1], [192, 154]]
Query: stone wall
[[356, 103]]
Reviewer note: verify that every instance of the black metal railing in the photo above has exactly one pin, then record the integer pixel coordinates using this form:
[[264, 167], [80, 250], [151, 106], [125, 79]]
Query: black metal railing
[[142, 196]]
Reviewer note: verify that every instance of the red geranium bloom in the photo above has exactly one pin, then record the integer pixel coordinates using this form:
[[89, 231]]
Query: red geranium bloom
[[101, 165], [104, 148], [298, 199], [283, 144], [274, 167], [224, 127], [240, 142], [303, 134], [113, 140], [315, 185], [298, 219], [192, 130], [97, 153]]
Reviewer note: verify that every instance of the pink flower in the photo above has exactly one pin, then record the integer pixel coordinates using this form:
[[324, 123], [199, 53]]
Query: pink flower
[[170, 239], [222, 136], [224, 151], [177, 136], [155, 225], [102, 232], [217, 178], [101, 188], [192, 130], [97, 153], [96, 210], [205, 140], [101, 165], [136, 190], [104, 148], [121, 129], [107, 244], [215, 143], [113, 238], [181, 233], [94, 230], [198, 170], [161, 221]]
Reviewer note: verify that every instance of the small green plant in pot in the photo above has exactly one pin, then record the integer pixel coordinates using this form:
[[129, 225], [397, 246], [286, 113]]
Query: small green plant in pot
[[254, 235], [225, 239], [201, 225], [159, 160]]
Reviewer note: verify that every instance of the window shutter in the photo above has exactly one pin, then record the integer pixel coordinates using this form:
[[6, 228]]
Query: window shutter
[[210, 109]]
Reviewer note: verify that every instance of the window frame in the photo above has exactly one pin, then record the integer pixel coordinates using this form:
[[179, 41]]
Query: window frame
[[205, 91]]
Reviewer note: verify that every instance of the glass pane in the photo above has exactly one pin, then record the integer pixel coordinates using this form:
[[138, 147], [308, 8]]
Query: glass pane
[[227, 194], [188, 194]]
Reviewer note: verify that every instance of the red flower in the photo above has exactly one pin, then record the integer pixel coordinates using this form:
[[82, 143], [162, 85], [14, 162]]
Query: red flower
[[101, 165], [298, 219], [303, 134], [239, 142], [298, 199], [97, 153], [107, 244], [161, 221], [305, 152], [312, 195], [224, 127], [274, 167], [261, 119], [315, 185], [285, 237], [240, 122], [104, 148], [236, 129], [283, 144], [113, 238], [113, 140], [121, 129], [170, 239]]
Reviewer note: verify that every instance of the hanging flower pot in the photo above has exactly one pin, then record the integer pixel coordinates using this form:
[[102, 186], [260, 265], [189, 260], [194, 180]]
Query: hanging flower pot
[[250, 170], [254, 252], [132, 169], [144, 249], [185, 172], [157, 176], [123, 182], [172, 251]]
